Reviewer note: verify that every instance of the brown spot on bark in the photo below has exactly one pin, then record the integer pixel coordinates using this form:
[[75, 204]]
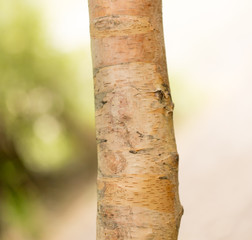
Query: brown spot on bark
[[163, 177], [140, 134], [115, 162], [99, 100], [138, 151], [160, 95], [101, 141], [106, 218]]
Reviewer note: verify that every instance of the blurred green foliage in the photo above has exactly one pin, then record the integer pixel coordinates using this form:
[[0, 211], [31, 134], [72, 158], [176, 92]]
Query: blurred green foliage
[[46, 111]]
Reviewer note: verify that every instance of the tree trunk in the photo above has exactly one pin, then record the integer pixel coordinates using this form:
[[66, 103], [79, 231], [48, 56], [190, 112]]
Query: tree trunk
[[137, 155]]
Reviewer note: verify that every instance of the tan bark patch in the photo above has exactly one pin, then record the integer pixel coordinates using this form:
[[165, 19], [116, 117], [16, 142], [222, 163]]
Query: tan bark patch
[[110, 26]]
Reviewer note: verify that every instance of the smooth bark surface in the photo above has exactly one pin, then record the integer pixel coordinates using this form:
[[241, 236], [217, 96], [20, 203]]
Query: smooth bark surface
[[137, 155]]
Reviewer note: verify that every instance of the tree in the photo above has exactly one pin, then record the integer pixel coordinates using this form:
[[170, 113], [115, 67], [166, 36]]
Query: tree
[[137, 154]]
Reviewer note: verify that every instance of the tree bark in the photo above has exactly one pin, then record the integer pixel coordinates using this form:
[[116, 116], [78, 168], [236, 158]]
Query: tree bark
[[137, 155]]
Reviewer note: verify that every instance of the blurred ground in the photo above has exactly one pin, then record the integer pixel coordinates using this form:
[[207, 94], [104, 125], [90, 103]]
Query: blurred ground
[[209, 56]]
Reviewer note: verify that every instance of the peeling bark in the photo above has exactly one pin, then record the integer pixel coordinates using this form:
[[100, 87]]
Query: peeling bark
[[137, 155]]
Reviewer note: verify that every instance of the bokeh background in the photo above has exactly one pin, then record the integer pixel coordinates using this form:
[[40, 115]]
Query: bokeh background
[[47, 137]]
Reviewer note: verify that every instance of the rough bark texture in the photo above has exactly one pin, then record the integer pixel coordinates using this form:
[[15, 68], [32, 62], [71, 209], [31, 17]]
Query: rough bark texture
[[137, 155]]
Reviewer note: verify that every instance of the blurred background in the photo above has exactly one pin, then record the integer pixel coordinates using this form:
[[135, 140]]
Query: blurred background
[[47, 137]]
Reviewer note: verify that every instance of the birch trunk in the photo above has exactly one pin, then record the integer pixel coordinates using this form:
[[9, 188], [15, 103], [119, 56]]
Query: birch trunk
[[137, 155]]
